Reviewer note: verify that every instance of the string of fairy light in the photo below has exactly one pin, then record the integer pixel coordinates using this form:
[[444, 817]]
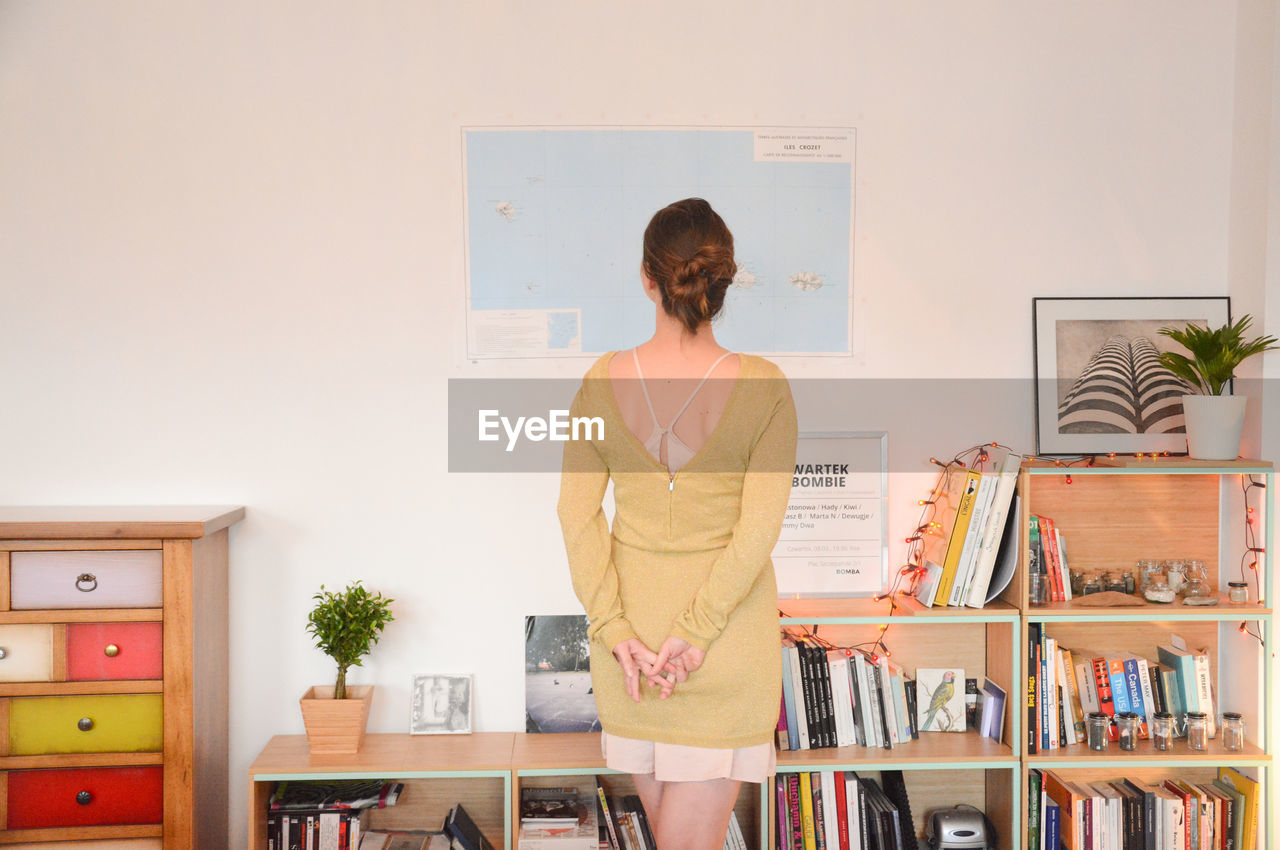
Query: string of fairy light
[[973, 459], [1252, 549]]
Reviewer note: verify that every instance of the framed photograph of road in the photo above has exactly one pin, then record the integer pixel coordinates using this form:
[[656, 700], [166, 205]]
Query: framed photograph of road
[[834, 539], [1099, 383], [557, 675]]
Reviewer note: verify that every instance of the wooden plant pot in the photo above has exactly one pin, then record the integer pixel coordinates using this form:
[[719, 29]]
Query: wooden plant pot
[[336, 725]]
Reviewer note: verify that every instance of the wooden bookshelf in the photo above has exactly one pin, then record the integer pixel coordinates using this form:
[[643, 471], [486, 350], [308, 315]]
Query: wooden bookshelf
[[1123, 510], [438, 771], [1113, 513]]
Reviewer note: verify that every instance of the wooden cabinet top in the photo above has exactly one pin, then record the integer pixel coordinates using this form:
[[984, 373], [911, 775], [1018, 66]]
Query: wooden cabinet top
[[390, 754], [66, 522]]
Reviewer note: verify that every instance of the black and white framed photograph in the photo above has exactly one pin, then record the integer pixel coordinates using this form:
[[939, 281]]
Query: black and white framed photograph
[[1099, 383], [557, 675], [442, 705]]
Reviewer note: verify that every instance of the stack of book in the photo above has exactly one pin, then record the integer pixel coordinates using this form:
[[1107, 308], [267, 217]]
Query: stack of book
[[832, 810], [324, 815], [458, 833], [625, 826], [1048, 557], [1171, 815], [970, 548], [1065, 685], [834, 698], [558, 818]]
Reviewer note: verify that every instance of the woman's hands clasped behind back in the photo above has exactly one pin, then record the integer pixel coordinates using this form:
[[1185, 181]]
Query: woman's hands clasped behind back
[[669, 666]]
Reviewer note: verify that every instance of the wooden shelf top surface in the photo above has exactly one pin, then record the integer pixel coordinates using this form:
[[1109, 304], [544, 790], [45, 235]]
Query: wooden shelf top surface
[[932, 749], [1146, 751], [1131, 463], [70, 522], [868, 609], [575, 750], [1149, 611], [390, 754]]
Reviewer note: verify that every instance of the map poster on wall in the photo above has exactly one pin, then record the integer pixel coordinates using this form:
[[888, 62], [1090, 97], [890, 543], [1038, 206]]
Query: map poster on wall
[[834, 537], [555, 219]]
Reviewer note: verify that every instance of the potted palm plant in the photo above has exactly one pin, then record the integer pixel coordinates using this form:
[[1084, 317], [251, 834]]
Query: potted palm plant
[[1214, 420], [345, 626]]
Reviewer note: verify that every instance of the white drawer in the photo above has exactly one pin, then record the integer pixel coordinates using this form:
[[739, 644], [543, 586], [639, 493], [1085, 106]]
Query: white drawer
[[116, 578], [28, 653]]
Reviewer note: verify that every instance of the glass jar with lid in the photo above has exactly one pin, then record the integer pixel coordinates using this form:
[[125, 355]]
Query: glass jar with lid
[[1175, 574], [1148, 569], [1098, 730], [1162, 730], [1159, 591], [1238, 592], [1197, 730], [1232, 730], [1197, 581]]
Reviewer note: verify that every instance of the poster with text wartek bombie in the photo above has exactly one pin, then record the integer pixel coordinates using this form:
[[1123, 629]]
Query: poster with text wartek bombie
[[833, 537]]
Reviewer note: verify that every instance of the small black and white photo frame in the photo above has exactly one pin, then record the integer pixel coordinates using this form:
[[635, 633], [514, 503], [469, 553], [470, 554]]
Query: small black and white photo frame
[[441, 704], [1099, 383]]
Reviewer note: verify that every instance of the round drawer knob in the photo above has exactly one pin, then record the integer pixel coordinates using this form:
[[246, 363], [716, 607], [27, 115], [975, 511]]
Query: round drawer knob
[[85, 724], [4, 653], [86, 582], [111, 651], [84, 798]]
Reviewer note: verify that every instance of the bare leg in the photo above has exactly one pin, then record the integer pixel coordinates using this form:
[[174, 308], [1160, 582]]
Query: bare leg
[[650, 792], [695, 815]]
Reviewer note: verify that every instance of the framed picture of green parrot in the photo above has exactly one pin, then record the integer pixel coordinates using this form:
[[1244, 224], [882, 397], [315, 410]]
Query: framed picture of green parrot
[[940, 700]]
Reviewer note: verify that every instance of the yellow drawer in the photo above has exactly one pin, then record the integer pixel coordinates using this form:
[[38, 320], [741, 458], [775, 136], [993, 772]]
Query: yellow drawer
[[119, 723], [26, 653]]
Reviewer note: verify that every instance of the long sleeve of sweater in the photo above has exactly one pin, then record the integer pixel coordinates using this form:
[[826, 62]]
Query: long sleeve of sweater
[[588, 544], [765, 492]]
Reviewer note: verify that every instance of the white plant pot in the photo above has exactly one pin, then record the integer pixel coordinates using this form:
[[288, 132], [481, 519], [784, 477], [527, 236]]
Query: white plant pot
[[1214, 425]]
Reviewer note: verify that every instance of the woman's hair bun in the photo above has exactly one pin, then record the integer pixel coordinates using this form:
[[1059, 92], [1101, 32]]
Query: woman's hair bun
[[688, 253]]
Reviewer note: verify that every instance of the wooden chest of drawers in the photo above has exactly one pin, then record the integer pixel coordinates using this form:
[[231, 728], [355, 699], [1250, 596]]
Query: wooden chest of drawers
[[113, 728]]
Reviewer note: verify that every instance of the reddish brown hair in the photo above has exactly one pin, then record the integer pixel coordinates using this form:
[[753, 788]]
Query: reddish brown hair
[[688, 253]]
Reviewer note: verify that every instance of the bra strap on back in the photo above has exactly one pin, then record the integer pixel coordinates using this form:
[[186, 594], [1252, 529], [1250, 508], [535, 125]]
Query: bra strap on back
[[640, 373]]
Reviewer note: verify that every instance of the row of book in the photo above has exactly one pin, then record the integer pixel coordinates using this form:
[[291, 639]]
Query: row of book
[[348, 831], [834, 698], [969, 549], [1065, 685], [1048, 557], [838, 810], [324, 815], [570, 817], [1127, 815]]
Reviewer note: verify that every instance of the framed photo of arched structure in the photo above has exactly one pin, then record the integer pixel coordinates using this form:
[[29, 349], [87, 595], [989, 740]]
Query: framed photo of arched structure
[[1099, 383]]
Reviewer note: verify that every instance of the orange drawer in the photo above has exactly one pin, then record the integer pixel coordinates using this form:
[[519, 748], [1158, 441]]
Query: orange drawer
[[114, 651], [104, 796]]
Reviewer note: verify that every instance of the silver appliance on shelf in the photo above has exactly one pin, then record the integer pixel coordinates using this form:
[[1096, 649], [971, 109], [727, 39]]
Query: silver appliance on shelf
[[959, 828]]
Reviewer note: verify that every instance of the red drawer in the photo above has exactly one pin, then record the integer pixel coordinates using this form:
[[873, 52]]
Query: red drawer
[[115, 795], [137, 651]]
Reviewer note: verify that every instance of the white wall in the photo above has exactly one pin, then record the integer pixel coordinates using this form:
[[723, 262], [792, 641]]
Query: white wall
[[231, 264]]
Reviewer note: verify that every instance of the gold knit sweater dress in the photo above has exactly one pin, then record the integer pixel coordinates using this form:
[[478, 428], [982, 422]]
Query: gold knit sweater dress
[[688, 555]]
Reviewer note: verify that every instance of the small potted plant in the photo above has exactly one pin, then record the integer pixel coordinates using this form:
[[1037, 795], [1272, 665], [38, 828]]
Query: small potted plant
[[1214, 421], [345, 626]]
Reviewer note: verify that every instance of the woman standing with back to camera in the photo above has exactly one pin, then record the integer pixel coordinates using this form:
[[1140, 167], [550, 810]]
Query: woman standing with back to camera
[[680, 596]]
